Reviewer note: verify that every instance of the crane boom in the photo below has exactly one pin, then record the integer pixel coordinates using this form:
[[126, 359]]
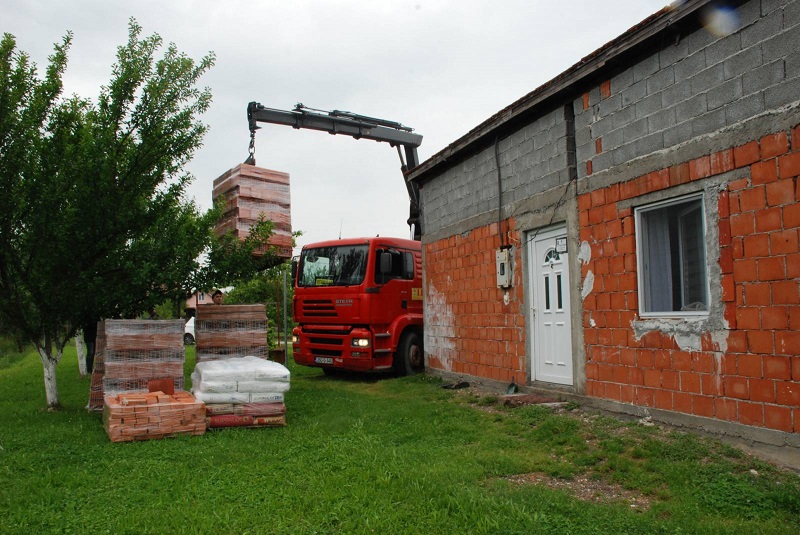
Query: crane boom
[[349, 124]]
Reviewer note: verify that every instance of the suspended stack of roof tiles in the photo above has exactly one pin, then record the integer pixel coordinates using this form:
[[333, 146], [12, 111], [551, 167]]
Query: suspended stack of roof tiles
[[248, 193]]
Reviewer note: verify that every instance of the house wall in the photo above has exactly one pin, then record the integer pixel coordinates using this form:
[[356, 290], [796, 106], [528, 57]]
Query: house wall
[[532, 160], [711, 115], [695, 85], [695, 113], [741, 362], [472, 326]]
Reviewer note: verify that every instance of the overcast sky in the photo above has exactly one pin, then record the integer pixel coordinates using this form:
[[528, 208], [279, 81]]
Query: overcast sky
[[439, 66]]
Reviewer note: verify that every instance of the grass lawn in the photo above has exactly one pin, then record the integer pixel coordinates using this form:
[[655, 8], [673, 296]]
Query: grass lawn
[[367, 455]]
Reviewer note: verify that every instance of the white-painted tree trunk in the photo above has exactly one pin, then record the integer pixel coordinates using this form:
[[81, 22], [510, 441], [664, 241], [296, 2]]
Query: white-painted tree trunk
[[80, 347], [49, 364]]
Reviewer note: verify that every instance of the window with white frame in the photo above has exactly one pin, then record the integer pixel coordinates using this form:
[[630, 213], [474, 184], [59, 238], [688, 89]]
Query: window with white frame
[[671, 258]]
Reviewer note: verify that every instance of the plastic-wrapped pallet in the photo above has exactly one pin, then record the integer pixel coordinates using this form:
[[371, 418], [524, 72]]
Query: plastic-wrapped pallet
[[242, 392], [227, 331], [130, 353], [248, 193]]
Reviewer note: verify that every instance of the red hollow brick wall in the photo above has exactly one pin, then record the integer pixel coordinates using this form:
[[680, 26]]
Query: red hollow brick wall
[[468, 327], [753, 377]]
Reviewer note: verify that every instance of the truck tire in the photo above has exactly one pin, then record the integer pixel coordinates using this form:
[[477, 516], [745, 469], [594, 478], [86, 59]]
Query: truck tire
[[188, 339], [410, 356]]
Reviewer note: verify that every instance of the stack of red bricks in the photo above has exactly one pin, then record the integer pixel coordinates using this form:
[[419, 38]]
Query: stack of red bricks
[[130, 353], [226, 331], [249, 193], [152, 415]]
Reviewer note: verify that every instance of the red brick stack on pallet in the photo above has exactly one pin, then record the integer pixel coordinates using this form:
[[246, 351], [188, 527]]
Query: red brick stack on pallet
[[152, 415], [130, 353], [248, 193], [232, 376]]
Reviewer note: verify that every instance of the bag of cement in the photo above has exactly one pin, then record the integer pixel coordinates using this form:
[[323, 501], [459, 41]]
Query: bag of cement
[[276, 386], [232, 397], [241, 369], [266, 397]]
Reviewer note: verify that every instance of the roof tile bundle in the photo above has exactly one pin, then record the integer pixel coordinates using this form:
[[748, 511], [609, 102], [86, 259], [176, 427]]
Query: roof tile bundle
[[248, 193], [152, 415], [229, 331], [131, 353]]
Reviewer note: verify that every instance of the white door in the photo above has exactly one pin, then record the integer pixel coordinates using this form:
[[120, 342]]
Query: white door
[[548, 280]]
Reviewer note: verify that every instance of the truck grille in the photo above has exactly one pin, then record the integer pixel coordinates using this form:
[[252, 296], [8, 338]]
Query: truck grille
[[317, 352], [319, 309], [327, 341]]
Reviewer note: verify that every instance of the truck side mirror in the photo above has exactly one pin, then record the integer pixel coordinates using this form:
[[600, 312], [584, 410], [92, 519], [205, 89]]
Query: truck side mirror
[[294, 271], [386, 264]]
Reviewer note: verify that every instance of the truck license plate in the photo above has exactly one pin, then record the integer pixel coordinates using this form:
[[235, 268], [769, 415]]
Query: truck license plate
[[323, 360]]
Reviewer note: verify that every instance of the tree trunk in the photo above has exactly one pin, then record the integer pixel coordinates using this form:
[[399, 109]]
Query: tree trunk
[[80, 347], [50, 386]]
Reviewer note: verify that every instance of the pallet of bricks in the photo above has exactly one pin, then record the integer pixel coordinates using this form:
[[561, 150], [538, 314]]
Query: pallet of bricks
[[249, 193], [131, 357], [152, 415], [233, 376]]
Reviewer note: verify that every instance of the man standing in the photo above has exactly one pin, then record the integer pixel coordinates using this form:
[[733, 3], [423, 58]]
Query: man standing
[[217, 297]]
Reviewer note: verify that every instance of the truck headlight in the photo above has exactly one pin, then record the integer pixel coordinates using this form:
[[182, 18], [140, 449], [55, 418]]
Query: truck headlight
[[360, 342], [295, 339]]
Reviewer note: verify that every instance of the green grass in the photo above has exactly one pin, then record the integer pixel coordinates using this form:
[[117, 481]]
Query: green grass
[[369, 455]]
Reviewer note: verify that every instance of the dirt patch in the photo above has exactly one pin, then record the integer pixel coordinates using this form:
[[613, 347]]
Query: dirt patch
[[586, 489], [518, 400]]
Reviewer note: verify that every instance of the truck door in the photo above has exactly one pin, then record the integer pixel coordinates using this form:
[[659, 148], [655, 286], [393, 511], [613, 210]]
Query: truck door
[[394, 283]]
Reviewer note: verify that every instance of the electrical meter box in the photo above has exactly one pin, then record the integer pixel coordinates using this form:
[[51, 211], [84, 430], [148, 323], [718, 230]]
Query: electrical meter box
[[504, 278]]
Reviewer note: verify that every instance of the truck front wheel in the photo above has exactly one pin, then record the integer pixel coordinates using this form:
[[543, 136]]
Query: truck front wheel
[[410, 356]]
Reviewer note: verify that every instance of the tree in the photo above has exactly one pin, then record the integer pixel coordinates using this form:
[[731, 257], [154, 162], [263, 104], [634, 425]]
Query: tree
[[267, 287], [95, 223]]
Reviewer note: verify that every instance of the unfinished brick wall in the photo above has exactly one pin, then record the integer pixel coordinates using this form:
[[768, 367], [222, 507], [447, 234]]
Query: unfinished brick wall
[[468, 327], [750, 374]]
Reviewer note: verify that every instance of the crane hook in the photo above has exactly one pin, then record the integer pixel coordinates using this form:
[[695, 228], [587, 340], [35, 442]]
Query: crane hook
[[251, 158]]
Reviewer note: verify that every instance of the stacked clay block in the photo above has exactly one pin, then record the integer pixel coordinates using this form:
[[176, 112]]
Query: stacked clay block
[[152, 415], [130, 353], [249, 193], [229, 331]]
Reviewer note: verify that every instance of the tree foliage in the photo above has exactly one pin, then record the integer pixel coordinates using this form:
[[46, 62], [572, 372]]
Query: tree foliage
[[267, 287], [95, 221]]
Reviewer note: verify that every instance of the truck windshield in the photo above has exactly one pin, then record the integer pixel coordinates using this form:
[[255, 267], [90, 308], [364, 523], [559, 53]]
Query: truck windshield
[[344, 265]]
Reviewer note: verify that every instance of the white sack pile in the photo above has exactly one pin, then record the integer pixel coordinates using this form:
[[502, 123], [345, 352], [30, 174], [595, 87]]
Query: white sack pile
[[242, 392]]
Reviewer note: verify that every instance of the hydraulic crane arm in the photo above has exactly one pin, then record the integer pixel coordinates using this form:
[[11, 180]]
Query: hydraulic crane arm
[[349, 124]]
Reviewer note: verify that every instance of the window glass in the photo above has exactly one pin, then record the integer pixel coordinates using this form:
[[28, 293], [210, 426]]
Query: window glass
[[333, 266], [409, 267], [672, 257]]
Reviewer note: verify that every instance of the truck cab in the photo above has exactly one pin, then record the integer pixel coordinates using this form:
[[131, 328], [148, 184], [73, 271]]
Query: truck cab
[[358, 305]]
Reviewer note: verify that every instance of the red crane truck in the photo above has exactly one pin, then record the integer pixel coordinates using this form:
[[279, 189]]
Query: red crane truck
[[357, 302], [358, 305]]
